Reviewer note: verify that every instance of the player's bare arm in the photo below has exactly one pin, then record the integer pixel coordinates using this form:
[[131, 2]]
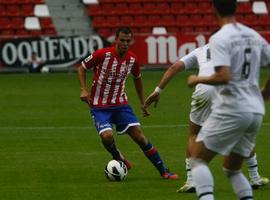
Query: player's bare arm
[[168, 75], [84, 96], [266, 90], [222, 76], [139, 89]]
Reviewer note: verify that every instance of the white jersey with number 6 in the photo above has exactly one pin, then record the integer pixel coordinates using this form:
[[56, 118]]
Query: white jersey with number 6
[[244, 51]]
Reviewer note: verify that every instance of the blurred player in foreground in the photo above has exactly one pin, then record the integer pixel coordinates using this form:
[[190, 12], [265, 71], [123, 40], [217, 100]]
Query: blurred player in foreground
[[108, 100], [237, 52], [200, 109]]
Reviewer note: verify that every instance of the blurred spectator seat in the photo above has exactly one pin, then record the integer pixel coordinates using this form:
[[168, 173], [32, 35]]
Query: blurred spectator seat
[[5, 23], [135, 8], [168, 20], [2, 10], [27, 10], [244, 8], [17, 22], [140, 21], [46, 23], [113, 21], [13, 10], [126, 20], [259, 7], [90, 1], [121, 9], [159, 30], [104, 32], [32, 23], [41, 10]]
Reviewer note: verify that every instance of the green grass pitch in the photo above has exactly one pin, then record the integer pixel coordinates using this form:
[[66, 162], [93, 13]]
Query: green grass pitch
[[49, 149]]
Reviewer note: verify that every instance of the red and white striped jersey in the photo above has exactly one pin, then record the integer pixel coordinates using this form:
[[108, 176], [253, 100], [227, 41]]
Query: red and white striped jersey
[[110, 74]]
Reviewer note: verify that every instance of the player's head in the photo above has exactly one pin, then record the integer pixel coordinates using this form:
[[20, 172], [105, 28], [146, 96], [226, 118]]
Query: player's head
[[225, 8], [123, 40]]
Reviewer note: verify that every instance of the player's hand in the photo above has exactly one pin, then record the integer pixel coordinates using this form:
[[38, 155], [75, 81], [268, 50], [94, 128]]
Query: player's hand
[[145, 111], [154, 97], [85, 97], [192, 80]]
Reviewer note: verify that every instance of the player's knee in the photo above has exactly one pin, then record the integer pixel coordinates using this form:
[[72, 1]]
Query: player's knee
[[229, 173], [196, 162]]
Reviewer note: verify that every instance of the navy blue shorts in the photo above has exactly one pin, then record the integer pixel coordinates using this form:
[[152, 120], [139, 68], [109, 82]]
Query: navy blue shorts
[[122, 117]]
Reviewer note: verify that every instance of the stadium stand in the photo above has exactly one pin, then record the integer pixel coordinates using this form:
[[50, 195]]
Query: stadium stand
[[187, 16], [24, 18], [174, 15]]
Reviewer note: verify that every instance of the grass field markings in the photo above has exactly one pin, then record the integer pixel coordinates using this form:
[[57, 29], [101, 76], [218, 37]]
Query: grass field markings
[[90, 127]]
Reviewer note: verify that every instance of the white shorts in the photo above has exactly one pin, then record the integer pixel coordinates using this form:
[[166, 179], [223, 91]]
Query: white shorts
[[234, 132], [201, 104]]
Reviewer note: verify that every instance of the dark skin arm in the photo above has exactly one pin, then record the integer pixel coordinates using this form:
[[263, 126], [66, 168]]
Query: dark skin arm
[[84, 96], [139, 89], [266, 90]]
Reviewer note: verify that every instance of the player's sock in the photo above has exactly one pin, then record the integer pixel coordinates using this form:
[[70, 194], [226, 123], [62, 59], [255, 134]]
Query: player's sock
[[202, 179], [111, 148], [240, 184], [188, 171], [152, 154], [252, 166], [116, 154]]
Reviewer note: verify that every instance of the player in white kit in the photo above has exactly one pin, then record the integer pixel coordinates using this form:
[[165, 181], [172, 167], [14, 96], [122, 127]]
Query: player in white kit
[[237, 52], [200, 109]]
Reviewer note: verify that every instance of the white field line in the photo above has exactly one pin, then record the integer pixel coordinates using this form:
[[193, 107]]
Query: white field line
[[91, 127]]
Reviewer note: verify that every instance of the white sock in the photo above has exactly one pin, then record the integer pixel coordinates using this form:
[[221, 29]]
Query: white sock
[[202, 179], [252, 165], [188, 171], [240, 184]]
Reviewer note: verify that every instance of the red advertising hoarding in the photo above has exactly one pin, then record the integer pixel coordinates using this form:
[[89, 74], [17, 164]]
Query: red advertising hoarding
[[152, 50]]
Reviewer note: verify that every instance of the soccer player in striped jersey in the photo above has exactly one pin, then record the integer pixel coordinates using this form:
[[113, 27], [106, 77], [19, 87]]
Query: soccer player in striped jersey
[[108, 101], [201, 103], [237, 52]]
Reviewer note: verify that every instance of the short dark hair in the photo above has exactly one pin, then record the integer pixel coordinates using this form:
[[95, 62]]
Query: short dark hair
[[225, 8], [125, 30]]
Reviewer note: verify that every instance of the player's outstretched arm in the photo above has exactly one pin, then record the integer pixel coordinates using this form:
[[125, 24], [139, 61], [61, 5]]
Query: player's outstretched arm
[[168, 75], [84, 96], [222, 76]]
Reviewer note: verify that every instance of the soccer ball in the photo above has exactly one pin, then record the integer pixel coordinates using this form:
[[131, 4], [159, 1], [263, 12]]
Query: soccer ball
[[115, 170], [45, 69]]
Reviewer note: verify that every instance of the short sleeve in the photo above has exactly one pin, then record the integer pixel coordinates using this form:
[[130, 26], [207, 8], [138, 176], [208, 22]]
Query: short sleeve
[[190, 60], [265, 55], [136, 71], [92, 60], [220, 53]]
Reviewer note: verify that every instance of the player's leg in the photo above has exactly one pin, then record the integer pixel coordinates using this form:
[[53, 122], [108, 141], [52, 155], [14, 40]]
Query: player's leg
[[201, 174], [220, 134], [256, 180], [232, 168], [193, 132], [150, 151], [200, 110], [102, 121], [249, 125], [109, 144]]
